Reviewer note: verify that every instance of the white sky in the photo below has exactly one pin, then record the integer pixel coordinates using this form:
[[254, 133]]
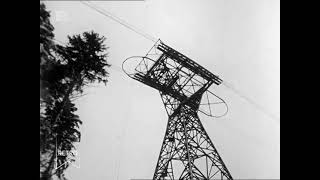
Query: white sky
[[124, 122]]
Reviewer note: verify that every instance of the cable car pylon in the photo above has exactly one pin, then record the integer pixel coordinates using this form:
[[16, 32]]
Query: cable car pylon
[[187, 152]]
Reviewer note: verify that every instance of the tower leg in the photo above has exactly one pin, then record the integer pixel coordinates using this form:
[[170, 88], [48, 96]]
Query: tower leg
[[187, 151]]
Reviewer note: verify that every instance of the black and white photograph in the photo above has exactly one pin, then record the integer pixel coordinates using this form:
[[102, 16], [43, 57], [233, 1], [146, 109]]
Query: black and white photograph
[[160, 90]]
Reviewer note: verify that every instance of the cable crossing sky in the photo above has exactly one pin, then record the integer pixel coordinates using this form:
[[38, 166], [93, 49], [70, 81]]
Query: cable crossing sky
[[153, 39]]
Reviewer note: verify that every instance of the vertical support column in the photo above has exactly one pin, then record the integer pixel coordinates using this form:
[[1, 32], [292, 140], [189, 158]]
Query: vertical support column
[[187, 143]]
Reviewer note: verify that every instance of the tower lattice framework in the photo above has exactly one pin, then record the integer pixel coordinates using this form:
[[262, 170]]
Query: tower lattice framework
[[187, 151]]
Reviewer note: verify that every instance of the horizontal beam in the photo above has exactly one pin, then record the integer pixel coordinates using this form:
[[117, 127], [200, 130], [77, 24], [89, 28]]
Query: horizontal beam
[[188, 63]]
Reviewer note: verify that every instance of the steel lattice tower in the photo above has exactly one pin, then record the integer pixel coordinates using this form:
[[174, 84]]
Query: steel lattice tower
[[187, 151]]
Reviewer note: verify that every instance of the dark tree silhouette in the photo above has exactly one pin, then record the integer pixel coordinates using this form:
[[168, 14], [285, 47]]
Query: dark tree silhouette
[[47, 64], [64, 73]]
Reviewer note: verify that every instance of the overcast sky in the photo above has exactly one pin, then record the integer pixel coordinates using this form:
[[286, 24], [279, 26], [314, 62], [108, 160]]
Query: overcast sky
[[124, 122]]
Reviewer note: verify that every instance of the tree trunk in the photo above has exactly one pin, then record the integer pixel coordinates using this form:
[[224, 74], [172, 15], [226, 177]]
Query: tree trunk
[[65, 98], [47, 174]]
